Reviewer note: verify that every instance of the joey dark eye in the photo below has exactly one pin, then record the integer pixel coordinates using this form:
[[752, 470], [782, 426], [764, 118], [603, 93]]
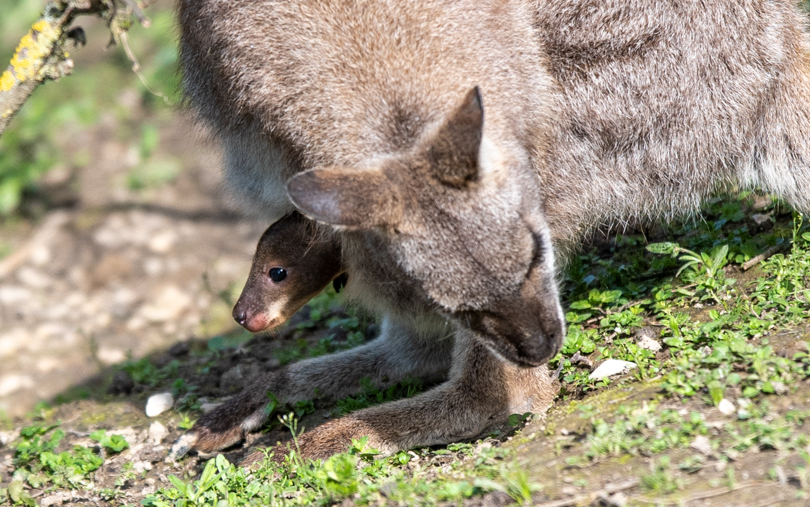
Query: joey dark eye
[[277, 274]]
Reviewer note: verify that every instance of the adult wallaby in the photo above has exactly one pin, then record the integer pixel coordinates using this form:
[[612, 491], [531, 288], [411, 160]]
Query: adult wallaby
[[455, 145]]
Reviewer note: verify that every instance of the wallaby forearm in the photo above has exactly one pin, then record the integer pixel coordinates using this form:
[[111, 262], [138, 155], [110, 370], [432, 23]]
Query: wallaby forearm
[[482, 391], [390, 358]]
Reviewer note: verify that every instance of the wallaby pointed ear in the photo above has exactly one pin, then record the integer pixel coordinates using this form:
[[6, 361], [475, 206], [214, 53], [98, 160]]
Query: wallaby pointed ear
[[454, 151], [346, 197]]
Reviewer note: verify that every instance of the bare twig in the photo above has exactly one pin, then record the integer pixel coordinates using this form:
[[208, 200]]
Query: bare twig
[[764, 255], [136, 68], [704, 495], [591, 497], [43, 53]]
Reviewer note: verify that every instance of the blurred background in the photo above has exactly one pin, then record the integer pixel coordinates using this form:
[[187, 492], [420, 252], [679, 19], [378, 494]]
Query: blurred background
[[116, 237]]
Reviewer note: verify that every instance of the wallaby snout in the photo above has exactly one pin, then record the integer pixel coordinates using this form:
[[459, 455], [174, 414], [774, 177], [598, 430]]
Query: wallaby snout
[[291, 265], [528, 328], [254, 315]]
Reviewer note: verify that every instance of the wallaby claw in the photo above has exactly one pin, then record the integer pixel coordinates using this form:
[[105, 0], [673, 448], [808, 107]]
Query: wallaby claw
[[181, 446]]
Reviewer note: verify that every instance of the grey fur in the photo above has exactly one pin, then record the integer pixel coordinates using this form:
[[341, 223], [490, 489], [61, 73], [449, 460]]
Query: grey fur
[[595, 113]]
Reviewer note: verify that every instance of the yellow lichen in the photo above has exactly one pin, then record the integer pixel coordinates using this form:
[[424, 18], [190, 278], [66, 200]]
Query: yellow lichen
[[6, 81], [30, 54]]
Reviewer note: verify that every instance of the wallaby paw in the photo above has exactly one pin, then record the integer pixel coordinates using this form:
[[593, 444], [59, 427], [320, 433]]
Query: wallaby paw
[[181, 446], [208, 440]]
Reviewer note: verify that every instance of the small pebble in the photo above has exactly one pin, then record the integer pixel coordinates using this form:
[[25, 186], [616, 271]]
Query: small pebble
[[647, 342], [726, 407], [617, 500], [702, 444], [159, 403], [760, 218], [157, 432], [611, 367]]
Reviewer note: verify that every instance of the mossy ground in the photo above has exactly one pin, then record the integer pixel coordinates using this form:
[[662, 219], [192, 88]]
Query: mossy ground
[[655, 435]]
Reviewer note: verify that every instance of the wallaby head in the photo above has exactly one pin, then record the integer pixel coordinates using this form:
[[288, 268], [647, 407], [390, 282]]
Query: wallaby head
[[292, 264], [463, 222]]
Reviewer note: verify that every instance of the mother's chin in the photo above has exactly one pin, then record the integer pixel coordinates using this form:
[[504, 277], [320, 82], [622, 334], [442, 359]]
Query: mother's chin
[[527, 333]]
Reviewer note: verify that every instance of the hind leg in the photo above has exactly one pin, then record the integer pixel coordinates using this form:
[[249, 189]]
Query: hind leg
[[397, 354], [482, 391]]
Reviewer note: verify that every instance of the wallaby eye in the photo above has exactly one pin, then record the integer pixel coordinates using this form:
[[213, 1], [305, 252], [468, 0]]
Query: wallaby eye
[[277, 274]]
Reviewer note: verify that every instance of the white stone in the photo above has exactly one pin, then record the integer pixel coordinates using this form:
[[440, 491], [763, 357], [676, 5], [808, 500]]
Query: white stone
[[40, 255], [611, 367], [780, 388], [13, 340], [6, 437], [163, 242], [60, 498], [14, 294], [760, 218], [168, 305], [13, 383], [47, 364], [647, 342], [702, 444], [726, 407], [617, 499], [34, 278], [141, 466], [159, 403], [157, 432], [154, 266], [110, 356], [48, 330]]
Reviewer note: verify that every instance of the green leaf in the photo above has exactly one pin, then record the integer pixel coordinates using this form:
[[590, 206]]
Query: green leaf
[[580, 305], [488, 485], [719, 259], [575, 318], [208, 472], [180, 485], [665, 248], [716, 391]]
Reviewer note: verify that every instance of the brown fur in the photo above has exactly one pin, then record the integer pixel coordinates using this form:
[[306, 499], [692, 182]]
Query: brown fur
[[588, 113], [309, 260]]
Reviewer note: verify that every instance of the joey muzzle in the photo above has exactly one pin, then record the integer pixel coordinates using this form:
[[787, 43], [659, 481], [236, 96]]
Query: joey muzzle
[[250, 315]]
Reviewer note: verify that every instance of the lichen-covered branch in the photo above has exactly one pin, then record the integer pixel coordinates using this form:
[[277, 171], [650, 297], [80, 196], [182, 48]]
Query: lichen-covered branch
[[44, 52]]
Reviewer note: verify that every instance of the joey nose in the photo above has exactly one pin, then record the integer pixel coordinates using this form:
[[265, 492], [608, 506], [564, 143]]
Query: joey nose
[[239, 315]]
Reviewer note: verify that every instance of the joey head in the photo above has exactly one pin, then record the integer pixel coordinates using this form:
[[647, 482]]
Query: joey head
[[293, 263], [459, 216]]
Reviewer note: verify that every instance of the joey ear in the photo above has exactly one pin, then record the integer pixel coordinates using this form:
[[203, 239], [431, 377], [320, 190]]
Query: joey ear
[[347, 197], [454, 151]]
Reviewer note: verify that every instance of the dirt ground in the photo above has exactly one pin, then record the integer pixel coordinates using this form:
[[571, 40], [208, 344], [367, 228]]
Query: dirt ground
[[114, 274]]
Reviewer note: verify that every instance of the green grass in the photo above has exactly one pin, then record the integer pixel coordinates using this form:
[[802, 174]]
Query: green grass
[[719, 345], [39, 464], [717, 353]]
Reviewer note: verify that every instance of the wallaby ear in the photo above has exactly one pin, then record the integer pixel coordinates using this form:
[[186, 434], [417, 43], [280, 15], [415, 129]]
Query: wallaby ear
[[454, 151], [347, 197]]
